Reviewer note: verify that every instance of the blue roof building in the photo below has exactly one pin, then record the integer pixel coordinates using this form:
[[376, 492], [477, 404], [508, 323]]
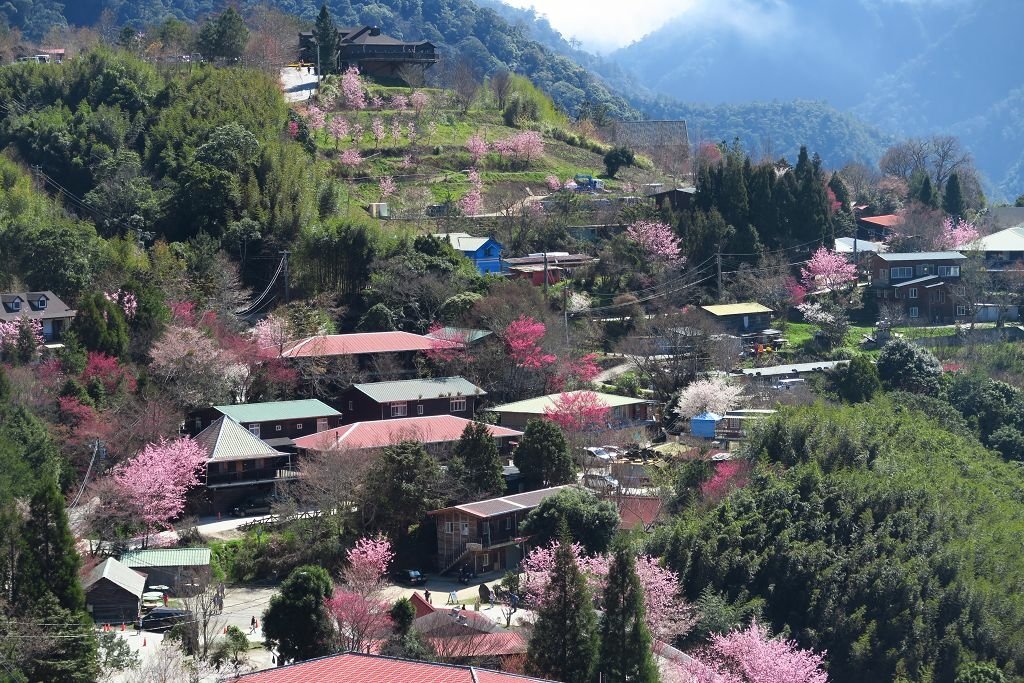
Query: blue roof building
[[484, 252]]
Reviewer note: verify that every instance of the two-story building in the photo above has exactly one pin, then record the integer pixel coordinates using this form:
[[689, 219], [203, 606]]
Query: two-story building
[[484, 252], [924, 287], [369, 50], [240, 465], [485, 535], [276, 422], [409, 398], [54, 315]]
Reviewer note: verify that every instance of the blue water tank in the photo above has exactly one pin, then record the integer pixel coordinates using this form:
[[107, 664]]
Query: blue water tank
[[703, 425]]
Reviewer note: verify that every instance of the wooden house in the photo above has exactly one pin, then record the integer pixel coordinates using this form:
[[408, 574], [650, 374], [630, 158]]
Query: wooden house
[[369, 50], [185, 570], [411, 398], [741, 318], [623, 411], [276, 422], [113, 592], [484, 536], [923, 287]]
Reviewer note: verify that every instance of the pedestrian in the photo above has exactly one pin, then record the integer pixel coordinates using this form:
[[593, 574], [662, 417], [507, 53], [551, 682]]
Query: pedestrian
[[252, 624], [426, 595]]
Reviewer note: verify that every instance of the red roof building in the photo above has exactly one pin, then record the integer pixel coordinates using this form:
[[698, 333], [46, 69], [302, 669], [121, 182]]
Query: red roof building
[[877, 227], [359, 668], [430, 429], [362, 343]]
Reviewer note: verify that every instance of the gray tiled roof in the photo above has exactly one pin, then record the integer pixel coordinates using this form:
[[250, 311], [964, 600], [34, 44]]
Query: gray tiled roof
[[419, 389], [225, 439], [119, 574], [922, 256]]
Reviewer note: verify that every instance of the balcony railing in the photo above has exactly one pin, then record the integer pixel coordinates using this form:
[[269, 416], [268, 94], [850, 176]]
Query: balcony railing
[[262, 474]]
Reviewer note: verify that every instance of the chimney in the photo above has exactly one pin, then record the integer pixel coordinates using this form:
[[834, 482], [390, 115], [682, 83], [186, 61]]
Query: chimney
[[375, 31]]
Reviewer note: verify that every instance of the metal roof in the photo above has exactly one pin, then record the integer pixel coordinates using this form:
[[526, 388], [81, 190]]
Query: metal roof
[[844, 245], [463, 241], [505, 504], [792, 368], [277, 410], [350, 667], [917, 281], [459, 334], [886, 220], [362, 343], [167, 557], [537, 406], [1011, 239], [746, 308], [922, 256], [381, 433], [225, 439], [119, 574], [419, 389]]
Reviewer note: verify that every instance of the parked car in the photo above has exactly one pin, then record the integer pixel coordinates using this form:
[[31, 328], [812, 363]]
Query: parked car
[[600, 482], [251, 507], [163, 618], [409, 577]]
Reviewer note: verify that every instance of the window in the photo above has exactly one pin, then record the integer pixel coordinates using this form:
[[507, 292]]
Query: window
[[419, 409], [949, 271], [485, 559], [321, 424], [298, 426], [905, 271], [399, 409], [962, 290], [913, 293], [42, 303], [508, 523], [458, 405], [883, 273], [914, 312], [465, 528], [961, 310], [199, 423], [941, 296], [350, 405], [16, 305], [924, 269], [277, 428], [254, 429], [449, 527]]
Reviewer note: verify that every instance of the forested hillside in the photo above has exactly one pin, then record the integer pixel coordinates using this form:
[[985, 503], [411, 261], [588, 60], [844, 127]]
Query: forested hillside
[[459, 28]]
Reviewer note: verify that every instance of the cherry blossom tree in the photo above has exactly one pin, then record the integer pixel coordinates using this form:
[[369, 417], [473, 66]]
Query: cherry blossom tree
[[578, 411], [376, 102], [553, 183], [795, 291], [293, 129], [472, 202], [716, 395], [128, 302], [750, 655], [352, 89], [396, 130], [387, 187], [338, 129], [356, 133], [157, 479], [356, 606], [957, 233], [667, 613], [377, 128], [419, 101], [446, 346], [827, 270], [577, 372], [315, 119], [399, 102], [14, 334], [189, 366], [351, 158], [272, 333], [658, 240], [829, 318], [521, 148], [522, 341], [477, 148], [107, 371]]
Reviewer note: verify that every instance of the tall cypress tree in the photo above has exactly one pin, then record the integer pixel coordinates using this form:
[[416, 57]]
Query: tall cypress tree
[[625, 653], [953, 198], [926, 195], [326, 35], [564, 641], [49, 562]]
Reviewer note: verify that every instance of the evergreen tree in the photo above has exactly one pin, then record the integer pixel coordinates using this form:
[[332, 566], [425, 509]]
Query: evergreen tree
[[326, 35], [49, 562], [477, 460], [224, 37], [100, 326], [953, 198], [734, 206], [543, 456], [403, 484], [784, 197], [926, 195], [564, 642], [590, 520], [296, 621], [842, 194], [763, 215], [858, 381], [812, 214], [625, 652], [67, 650]]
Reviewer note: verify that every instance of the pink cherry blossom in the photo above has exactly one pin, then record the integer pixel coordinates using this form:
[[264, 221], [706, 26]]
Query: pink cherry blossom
[[376, 102], [126, 300], [351, 157], [796, 292], [578, 411], [750, 655], [377, 128], [338, 129], [957, 234], [446, 345], [293, 129], [472, 203], [315, 117], [419, 100], [387, 187], [658, 240], [399, 102], [827, 270], [359, 619], [553, 183], [368, 562], [157, 479], [477, 148], [10, 330], [522, 341], [396, 130], [352, 89]]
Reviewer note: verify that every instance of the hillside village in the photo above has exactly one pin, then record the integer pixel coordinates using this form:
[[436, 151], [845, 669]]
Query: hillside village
[[367, 364]]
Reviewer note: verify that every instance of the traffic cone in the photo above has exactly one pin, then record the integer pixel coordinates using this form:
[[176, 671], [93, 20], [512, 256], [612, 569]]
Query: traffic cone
[[106, 627]]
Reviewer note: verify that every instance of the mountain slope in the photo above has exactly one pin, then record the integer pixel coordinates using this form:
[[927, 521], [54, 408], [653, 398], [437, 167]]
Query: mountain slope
[[911, 68]]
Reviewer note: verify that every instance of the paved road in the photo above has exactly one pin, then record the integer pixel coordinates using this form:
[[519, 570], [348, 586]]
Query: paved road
[[298, 84]]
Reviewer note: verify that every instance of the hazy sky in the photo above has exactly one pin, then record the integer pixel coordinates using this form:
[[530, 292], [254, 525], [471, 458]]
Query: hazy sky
[[607, 24]]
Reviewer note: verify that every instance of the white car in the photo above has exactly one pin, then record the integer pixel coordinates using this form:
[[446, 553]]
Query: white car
[[600, 482]]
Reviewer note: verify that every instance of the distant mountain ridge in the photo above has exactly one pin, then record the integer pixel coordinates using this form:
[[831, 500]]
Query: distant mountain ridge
[[909, 67]]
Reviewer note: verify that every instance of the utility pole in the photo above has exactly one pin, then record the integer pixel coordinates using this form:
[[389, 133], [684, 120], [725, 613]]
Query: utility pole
[[718, 265], [545, 276], [284, 257], [565, 311]]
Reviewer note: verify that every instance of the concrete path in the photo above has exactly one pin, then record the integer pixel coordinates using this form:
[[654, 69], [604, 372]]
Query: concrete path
[[298, 85]]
